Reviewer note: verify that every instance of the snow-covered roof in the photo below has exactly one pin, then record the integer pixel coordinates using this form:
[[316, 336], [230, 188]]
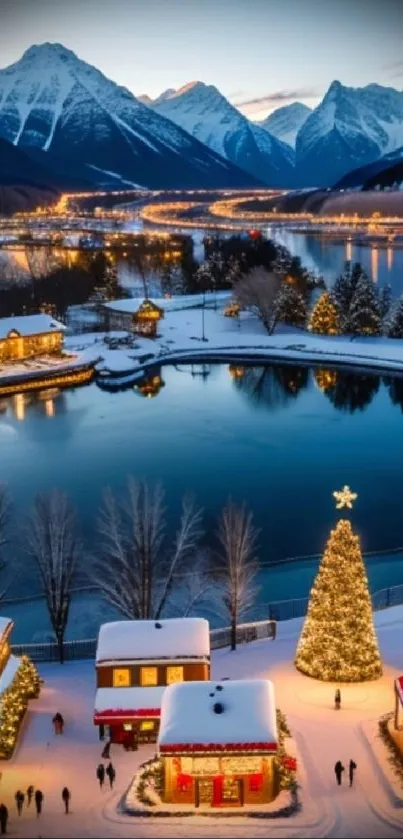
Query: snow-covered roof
[[30, 325], [9, 672], [177, 302], [237, 715], [121, 703], [138, 640]]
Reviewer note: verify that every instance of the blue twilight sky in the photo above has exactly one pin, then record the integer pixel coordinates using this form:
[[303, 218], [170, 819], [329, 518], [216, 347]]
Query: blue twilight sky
[[264, 53]]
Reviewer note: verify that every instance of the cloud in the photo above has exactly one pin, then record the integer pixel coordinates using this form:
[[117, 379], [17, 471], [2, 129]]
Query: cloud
[[396, 67], [279, 97]]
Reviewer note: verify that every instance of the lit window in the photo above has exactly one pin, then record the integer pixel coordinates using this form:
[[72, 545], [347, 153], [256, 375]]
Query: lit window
[[127, 726], [174, 674], [147, 725], [148, 677], [121, 678]]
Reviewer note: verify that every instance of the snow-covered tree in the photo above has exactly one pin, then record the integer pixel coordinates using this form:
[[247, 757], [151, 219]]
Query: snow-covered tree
[[364, 315], [291, 306], [52, 543], [343, 292], [236, 563], [325, 318], [385, 299], [394, 324], [137, 568], [257, 292]]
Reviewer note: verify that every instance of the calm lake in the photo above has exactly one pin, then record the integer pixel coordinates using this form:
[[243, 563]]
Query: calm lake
[[282, 438]]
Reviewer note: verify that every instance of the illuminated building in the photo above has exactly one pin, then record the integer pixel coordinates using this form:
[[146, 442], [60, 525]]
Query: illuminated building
[[145, 319], [19, 683], [219, 743], [135, 661], [28, 336]]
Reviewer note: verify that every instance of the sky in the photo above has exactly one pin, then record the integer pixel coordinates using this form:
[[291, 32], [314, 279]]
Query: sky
[[261, 54]]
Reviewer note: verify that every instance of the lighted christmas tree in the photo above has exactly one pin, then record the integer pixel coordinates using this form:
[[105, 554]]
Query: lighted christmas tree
[[325, 317], [338, 641]]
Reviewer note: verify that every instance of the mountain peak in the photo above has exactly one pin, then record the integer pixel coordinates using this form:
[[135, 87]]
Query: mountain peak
[[48, 50]]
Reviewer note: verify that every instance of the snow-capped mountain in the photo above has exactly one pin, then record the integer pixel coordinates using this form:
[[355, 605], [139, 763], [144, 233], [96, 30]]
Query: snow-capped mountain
[[53, 101], [284, 123], [207, 115], [350, 128]]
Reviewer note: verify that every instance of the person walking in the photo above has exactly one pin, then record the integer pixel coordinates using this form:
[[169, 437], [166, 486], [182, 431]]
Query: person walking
[[19, 800], [351, 769], [101, 774], [30, 792], [106, 750], [337, 699], [58, 723], [38, 802], [3, 819], [66, 795], [111, 773], [338, 769]]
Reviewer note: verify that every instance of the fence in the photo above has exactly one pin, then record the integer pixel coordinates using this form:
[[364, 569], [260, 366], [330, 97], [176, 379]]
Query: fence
[[280, 610], [73, 650]]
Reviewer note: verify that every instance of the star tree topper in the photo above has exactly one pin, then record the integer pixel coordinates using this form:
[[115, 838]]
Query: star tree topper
[[344, 497]]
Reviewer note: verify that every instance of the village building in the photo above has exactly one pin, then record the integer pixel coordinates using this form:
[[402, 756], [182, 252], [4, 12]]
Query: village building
[[133, 315], [135, 661], [218, 743], [18, 683], [29, 336]]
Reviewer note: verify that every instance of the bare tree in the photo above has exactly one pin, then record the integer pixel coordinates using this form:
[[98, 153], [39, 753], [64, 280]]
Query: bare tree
[[237, 565], [52, 543], [137, 568], [258, 292]]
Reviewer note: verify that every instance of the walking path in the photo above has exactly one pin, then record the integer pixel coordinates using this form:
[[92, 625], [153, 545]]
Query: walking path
[[322, 735]]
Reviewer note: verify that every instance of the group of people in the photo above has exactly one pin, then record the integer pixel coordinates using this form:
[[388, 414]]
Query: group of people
[[339, 769], [109, 771]]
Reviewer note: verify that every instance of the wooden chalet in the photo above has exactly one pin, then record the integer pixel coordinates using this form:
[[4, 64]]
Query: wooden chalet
[[218, 743], [29, 336], [135, 661]]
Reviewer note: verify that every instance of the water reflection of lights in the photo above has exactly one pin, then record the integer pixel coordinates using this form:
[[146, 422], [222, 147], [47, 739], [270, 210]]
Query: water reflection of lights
[[236, 371], [151, 387], [325, 379]]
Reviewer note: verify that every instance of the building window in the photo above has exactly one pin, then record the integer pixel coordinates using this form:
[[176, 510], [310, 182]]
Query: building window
[[127, 726], [147, 725], [174, 674], [121, 678], [148, 677]]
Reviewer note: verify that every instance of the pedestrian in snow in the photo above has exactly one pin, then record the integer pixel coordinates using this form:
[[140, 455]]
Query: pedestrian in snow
[[66, 795], [106, 750], [101, 774], [30, 792], [110, 771], [58, 723], [351, 769], [339, 768], [3, 818], [337, 699], [38, 802], [19, 800]]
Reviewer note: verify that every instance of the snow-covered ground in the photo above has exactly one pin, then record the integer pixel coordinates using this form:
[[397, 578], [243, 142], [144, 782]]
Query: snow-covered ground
[[180, 338], [322, 736]]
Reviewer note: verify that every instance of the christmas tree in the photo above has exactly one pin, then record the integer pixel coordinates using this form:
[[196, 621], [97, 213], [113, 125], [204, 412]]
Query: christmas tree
[[338, 641], [394, 326], [290, 306], [365, 314], [325, 317]]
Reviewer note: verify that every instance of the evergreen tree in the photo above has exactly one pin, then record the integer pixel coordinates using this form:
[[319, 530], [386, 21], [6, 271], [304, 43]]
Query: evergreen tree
[[394, 325], [343, 292], [364, 315], [325, 318], [291, 306], [338, 641], [385, 297]]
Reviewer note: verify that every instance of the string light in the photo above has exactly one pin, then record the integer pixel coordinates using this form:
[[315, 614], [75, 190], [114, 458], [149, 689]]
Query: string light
[[14, 702]]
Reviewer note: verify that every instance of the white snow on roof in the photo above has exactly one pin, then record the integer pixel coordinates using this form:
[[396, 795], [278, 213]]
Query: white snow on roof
[[9, 672], [145, 640], [248, 715], [170, 304], [4, 624], [30, 325], [128, 699]]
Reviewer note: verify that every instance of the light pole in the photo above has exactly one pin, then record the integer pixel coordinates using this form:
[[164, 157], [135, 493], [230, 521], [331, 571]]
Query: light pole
[[203, 308]]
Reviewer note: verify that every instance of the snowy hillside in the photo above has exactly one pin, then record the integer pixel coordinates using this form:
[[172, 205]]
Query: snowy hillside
[[53, 101], [351, 127], [284, 123], [207, 115]]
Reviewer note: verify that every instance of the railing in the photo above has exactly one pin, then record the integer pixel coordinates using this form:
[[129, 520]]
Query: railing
[[73, 650]]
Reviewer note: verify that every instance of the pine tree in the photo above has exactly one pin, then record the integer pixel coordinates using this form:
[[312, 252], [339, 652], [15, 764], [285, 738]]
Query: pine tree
[[364, 315], [338, 641], [325, 318], [291, 306], [394, 326], [343, 292]]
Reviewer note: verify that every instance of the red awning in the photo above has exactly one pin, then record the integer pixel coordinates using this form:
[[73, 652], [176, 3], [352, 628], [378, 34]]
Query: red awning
[[399, 688], [112, 715], [218, 747]]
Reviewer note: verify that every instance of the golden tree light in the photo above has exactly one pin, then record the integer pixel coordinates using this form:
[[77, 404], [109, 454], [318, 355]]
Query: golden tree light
[[345, 498]]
